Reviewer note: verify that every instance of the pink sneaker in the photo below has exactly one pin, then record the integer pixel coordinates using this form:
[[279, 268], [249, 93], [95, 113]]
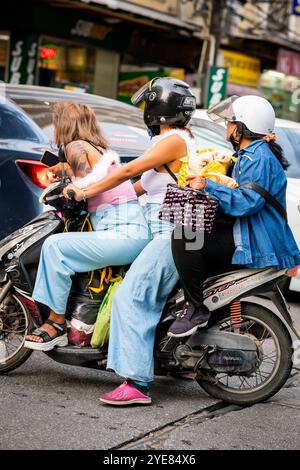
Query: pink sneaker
[[125, 394]]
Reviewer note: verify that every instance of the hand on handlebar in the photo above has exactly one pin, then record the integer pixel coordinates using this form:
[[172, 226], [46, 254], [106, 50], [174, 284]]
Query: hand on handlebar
[[52, 178], [72, 192]]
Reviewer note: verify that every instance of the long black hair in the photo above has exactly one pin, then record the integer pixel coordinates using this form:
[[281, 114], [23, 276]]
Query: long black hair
[[279, 154], [243, 131]]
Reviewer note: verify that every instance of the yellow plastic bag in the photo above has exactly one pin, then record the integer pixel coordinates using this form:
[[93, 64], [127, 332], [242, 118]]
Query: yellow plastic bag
[[101, 330], [213, 167], [216, 171], [209, 164]]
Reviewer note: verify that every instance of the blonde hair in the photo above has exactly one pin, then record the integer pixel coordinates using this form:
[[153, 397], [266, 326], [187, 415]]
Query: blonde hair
[[74, 121]]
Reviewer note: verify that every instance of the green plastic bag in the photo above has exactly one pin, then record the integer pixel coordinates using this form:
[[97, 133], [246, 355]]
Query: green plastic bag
[[101, 330]]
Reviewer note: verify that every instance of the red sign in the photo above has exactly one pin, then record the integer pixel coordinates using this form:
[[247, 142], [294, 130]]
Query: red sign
[[288, 62], [48, 53]]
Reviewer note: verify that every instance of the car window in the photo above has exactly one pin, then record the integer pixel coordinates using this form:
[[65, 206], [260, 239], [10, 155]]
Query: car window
[[14, 124], [126, 139], [209, 135], [122, 125], [289, 140]]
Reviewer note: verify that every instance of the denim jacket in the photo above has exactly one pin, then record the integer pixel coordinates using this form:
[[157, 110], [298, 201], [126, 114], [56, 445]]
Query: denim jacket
[[261, 236]]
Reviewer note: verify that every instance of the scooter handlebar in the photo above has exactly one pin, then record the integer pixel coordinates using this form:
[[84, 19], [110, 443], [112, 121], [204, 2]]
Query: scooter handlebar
[[71, 193]]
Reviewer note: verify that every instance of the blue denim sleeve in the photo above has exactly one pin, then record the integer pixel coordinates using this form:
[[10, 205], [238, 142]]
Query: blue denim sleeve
[[242, 202]]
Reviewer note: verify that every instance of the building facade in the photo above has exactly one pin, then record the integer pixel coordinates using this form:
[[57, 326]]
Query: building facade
[[112, 47], [84, 45]]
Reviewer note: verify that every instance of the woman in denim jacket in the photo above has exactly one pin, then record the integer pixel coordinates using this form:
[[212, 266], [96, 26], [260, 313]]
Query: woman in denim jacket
[[252, 232]]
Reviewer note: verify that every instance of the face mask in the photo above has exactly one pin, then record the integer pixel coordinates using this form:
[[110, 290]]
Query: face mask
[[235, 144]]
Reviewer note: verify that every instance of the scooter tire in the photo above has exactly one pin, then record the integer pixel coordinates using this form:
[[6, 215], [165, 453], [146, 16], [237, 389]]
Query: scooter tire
[[282, 373], [23, 353]]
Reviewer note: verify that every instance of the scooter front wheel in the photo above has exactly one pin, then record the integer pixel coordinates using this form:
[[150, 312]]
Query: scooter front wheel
[[274, 346], [15, 324]]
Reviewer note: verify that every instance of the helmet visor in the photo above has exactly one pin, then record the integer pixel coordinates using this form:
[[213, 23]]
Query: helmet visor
[[223, 110], [140, 95]]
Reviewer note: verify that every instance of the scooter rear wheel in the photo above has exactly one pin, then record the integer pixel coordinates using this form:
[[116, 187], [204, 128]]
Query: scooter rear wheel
[[275, 363], [15, 324]]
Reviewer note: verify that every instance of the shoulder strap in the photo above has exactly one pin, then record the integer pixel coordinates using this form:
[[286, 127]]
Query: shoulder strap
[[170, 172], [268, 197], [95, 146]]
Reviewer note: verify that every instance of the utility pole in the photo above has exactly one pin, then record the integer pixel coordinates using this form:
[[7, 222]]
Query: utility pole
[[209, 53], [211, 36], [216, 25], [214, 33]]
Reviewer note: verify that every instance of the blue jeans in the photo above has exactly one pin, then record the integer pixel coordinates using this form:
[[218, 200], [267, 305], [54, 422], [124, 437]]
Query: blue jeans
[[121, 232], [139, 302]]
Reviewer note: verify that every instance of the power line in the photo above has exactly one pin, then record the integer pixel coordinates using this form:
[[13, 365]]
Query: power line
[[241, 2], [282, 25]]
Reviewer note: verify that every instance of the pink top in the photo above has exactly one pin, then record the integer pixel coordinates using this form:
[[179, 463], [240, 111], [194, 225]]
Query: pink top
[[123, 193]]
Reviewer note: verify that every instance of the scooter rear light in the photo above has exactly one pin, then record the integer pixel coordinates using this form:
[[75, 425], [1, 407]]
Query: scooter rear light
[[35, 171], [32, 307], [293, 272]]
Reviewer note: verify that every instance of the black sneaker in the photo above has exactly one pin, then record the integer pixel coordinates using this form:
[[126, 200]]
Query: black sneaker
[[189, 320]]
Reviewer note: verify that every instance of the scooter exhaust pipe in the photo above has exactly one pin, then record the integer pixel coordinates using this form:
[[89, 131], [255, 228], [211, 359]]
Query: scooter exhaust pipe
[[5, 290]]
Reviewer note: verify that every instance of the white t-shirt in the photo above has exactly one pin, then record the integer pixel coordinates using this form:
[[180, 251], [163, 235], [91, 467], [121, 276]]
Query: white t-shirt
[[155, 182]]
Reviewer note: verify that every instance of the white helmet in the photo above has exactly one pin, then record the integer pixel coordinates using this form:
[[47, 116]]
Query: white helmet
[[255, 112]]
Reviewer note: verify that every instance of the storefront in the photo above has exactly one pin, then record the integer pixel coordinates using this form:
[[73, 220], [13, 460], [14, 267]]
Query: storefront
[[76, 66], [282, 86], [85, 50], [77, 52], [65, 64], [283, 91]]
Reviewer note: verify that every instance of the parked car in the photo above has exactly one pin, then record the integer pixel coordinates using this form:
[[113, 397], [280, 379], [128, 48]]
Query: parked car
[[26, 131]]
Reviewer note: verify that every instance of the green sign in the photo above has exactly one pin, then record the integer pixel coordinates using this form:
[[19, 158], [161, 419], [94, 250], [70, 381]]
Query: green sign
[[217, 84], [23, 59]]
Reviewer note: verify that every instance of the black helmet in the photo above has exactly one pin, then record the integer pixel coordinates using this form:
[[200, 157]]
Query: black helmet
[[167, 101]]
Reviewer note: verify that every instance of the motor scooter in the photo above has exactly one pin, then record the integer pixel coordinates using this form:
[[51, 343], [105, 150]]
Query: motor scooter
[[243, 356]]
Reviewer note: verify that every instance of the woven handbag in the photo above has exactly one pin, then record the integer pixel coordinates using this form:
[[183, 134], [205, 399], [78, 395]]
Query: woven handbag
[[188, 207]]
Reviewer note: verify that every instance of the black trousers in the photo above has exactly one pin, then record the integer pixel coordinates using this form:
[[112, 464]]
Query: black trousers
[[194, 266]]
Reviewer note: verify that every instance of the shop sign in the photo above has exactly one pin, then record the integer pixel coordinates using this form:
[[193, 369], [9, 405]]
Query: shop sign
[[23, 59], [243, 69], [48, 52], [217, 84], [296, 7], [71, 24], [288, 62], [165, 6]]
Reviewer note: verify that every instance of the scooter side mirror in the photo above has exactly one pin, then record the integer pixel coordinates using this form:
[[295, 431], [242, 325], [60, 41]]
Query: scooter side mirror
[[49, 158], [62, 154]]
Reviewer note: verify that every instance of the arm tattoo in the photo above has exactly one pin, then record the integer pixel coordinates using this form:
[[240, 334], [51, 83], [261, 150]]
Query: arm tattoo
[[57, 170], [78, 159]]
